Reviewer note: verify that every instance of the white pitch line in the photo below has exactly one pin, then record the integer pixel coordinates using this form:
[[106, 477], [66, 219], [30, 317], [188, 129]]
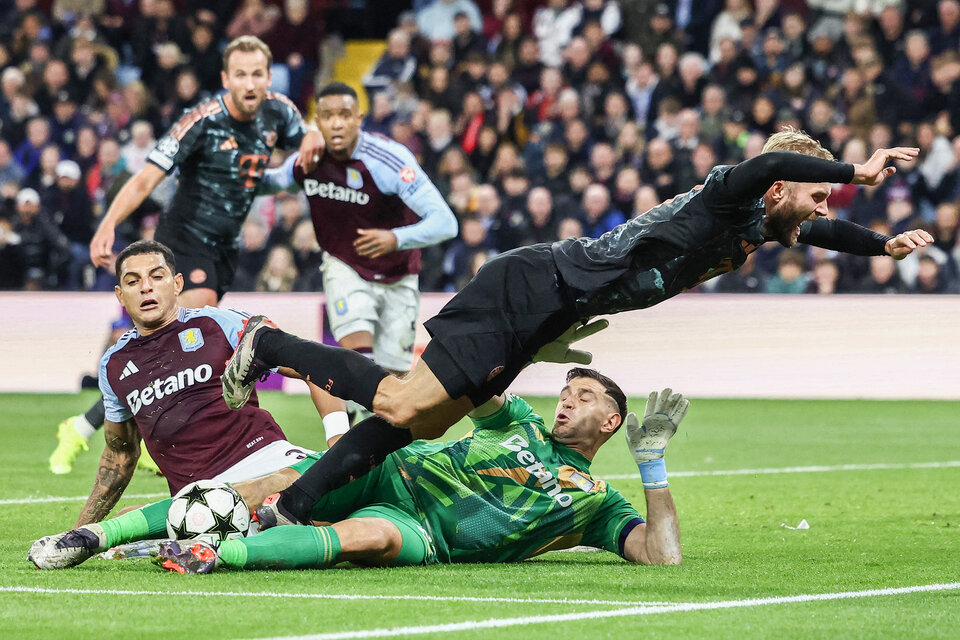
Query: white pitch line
[[616, 613], [39, 499], [882, 466], [326, 596]]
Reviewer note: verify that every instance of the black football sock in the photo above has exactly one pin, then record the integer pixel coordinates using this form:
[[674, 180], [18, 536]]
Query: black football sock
[[96, 414], [343, 373], [357, 452]]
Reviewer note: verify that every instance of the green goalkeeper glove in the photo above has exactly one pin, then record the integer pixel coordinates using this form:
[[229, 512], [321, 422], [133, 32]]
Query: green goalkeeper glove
[[559, 350]]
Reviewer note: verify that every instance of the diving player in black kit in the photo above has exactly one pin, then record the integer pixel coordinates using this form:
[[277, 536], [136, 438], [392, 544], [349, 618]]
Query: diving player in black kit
[[523, 301]]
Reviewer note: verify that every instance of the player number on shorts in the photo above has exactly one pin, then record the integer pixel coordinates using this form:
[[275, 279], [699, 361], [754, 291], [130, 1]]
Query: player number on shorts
[[252, 166]]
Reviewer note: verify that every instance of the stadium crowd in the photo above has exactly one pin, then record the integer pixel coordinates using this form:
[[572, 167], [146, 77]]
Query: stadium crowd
[[538, 120]]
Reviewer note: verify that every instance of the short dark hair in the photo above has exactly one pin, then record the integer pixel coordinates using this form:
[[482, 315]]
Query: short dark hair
[[142, 247], [337, 89], [610, 387]]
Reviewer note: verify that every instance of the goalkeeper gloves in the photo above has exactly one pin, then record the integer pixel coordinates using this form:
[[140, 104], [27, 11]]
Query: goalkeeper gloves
[[559, 350], [648, 440]]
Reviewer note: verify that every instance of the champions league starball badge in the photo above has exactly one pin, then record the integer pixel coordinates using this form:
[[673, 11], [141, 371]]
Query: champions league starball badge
[[168, 146]]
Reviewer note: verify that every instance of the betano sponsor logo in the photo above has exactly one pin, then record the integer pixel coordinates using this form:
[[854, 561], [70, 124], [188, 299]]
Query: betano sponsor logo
[[162, 387], [334, 192], [545, 479]]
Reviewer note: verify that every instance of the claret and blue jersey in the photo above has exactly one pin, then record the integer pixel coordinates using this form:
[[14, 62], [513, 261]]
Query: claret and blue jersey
[[380, 186], [169, 383]]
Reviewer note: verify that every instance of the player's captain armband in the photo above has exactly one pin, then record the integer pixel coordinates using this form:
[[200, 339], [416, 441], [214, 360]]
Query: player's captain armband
[[165, 153]]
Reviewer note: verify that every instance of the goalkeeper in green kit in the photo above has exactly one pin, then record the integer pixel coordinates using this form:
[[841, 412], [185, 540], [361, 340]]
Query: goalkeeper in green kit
[[510, 489]]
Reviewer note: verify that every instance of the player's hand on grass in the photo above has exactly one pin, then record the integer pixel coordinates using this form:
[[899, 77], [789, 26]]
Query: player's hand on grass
[[101, 247], [661, 417], [876, 170], [373, 243], [311, 150], [559, 350], [903, 244]]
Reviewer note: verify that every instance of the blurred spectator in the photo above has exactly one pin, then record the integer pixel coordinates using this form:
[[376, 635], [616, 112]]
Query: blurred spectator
[[931, 277], [790, 276], [570, 228], [307, 257], [598, 216], [543, 223], [44, 250], [253, 255], [69, 206], [825, 279], [436, 20], [466, 38], [746, 279], [141, 144], [279, 272], [295, 43], [290, 213], [10, 171], [27, 155], [397, 64], [255, 18], [457, 260], [883, 277]]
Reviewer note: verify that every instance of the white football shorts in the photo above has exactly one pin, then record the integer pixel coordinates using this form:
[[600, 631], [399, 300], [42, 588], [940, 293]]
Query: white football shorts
[[388, 311]]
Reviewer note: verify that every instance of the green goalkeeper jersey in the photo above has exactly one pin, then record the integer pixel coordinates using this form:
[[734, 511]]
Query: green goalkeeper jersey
[[506, 491]]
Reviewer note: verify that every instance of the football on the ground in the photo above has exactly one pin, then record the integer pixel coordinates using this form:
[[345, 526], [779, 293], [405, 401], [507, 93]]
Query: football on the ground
[[208, 510]]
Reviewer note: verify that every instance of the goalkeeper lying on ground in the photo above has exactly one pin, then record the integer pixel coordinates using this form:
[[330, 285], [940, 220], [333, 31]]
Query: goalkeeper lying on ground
[[509, 490]]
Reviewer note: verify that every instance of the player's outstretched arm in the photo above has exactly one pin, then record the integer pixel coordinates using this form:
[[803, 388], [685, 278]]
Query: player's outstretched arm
[[657, 541], [117, 464], [130, 196]]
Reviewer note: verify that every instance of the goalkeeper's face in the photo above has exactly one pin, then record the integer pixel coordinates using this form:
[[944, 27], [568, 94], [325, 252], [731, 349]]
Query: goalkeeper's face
[[585, 414], [148, 290]]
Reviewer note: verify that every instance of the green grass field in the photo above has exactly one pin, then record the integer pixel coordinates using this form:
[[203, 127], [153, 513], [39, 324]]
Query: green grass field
[[880, 518]]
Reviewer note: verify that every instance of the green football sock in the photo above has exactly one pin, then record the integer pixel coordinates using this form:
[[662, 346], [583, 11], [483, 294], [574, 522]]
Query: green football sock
[[140, 524], [292, 547]]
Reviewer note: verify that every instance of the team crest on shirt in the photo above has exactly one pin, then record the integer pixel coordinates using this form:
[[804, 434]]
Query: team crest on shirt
[[190, 339], [270, 138], [582, 481], [408, 175], [340, 306], [354, 179]]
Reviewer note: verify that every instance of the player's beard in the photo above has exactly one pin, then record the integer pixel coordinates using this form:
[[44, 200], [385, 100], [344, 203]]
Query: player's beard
[[783, 222], [240, 102]]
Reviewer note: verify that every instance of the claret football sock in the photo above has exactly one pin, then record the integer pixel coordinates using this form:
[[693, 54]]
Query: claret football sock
[[283, 548], [344, 373], [358, 451], [140, 524]]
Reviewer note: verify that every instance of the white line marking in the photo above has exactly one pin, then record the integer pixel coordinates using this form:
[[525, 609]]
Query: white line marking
[[616, 613], [882, 466], [39, 499], [328, 596]]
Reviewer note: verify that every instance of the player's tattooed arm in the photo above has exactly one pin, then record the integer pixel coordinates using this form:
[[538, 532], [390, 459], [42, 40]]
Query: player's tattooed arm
[[117, 464]]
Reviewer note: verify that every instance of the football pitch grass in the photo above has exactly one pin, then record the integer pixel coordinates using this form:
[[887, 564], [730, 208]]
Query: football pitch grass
[[877, 482]]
